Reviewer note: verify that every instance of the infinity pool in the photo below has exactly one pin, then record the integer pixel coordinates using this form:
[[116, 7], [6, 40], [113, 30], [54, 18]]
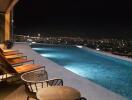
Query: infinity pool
[[111, 73]]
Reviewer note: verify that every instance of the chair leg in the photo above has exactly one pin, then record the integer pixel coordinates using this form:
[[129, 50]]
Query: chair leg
[[36, 98], [28, 98]]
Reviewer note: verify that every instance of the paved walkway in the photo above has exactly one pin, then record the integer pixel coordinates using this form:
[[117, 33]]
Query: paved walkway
[[87, 88]]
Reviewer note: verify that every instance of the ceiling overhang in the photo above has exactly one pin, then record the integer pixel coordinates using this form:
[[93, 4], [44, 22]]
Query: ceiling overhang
[[7, 5]]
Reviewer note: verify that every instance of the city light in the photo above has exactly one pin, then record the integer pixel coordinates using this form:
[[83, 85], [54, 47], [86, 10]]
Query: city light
[[114, 46]]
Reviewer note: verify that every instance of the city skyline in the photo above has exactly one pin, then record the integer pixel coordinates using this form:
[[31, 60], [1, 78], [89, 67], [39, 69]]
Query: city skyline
[[89, 18]]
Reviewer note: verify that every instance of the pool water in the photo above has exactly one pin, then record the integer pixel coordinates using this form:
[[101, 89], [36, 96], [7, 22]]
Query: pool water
[[111, 73]]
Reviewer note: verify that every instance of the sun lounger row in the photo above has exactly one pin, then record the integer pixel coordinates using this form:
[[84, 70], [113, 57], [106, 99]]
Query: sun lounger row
[[16, 64]]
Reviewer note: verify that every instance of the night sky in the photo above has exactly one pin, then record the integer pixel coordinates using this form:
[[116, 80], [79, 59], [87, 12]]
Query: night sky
[[94, 18]]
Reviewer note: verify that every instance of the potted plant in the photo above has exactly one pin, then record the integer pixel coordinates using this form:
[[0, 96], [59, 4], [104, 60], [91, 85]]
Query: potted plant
[[8, 44]]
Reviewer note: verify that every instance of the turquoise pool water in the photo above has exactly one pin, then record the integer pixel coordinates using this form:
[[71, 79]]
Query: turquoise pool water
[[111, 73]]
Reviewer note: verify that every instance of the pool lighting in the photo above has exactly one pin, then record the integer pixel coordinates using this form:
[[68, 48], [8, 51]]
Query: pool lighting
[[38, 49], [33, 42], [79, 46], [49, 55], [97, 49]]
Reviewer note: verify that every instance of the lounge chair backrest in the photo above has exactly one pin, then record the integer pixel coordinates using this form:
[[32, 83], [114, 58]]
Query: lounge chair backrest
[[54, 82], [6, 65], [33, 81]]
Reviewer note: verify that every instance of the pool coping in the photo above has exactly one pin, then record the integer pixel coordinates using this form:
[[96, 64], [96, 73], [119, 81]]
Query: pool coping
[[108, 54], [88, 89]]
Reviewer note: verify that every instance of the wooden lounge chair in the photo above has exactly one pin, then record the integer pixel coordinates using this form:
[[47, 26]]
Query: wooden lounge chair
[[11, 74], [14, 56], [36, 80], [8, 68], [10, 52], [15, 61], [10, 55], [18, 61]]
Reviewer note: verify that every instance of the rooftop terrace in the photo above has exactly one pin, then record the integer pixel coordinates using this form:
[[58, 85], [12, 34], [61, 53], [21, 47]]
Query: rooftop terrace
[[87, 88]]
